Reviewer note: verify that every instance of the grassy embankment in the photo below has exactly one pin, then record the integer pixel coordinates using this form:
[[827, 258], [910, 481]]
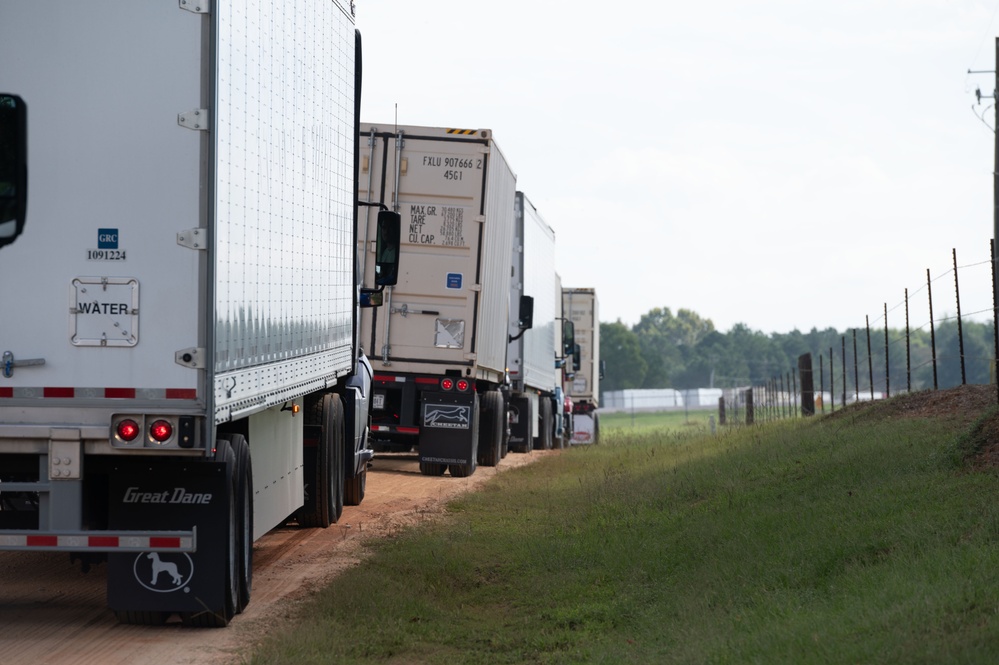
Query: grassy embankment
[[855, 538]]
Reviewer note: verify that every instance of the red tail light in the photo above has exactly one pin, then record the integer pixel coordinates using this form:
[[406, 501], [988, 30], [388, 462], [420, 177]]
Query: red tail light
[[128, 430], [447, 384], [160, 431], [462, 385]]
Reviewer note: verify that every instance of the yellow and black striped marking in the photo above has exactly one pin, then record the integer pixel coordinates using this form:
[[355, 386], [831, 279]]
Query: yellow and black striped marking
[[463, 132]]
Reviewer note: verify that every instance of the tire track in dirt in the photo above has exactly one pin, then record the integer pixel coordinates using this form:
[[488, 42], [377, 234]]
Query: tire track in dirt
[[51, 613]]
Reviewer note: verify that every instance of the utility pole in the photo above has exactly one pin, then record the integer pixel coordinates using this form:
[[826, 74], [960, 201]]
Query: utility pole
[[995, 131], [995, 215]]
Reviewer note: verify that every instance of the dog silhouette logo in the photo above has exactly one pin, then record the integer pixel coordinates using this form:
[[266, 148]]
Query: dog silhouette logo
[[163, 572]]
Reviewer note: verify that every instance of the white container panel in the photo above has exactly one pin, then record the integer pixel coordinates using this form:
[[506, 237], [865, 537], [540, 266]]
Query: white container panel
[[582, 307], [495, 308], [455, 195], [284, 197], [538, 360], [113, 179]]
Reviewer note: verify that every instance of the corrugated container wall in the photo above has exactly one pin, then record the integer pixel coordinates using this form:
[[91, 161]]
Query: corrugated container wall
[[533, 355]]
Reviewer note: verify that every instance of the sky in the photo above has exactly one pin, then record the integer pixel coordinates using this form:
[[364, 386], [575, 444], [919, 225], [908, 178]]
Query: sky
[[778, 164]]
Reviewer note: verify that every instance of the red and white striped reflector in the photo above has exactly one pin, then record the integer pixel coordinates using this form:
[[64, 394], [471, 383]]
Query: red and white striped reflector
[[105, 541], [58, 392]]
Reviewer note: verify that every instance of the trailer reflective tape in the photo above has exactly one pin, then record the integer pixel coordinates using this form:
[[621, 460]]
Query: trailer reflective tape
[[427, 380], [463, 132], [388, 378], [162, 541], [60, 392]]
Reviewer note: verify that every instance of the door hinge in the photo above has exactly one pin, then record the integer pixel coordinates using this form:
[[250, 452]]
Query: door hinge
[[197, 6], [193, 239], [193, 357], [194, 119]]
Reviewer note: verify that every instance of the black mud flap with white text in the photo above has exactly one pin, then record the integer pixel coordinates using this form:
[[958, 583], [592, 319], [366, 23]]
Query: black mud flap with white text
[[449, 427], [173, 496]]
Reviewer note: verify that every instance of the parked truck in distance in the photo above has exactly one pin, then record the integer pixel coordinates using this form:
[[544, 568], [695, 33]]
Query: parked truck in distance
[[583, 382], [532, 354], [439, 344], [183, 371]]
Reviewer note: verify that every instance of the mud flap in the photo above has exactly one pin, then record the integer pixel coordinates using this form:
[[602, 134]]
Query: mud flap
[[176, 497], [521, 431], [449, 428]]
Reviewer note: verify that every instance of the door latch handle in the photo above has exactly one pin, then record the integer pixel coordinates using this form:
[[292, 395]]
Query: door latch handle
[[9, 363]]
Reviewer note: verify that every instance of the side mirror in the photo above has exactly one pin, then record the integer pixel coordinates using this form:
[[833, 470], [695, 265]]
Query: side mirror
[[13, 167], [577, 352], [387, 243], [568, 337], [603, 366], [526, 319]]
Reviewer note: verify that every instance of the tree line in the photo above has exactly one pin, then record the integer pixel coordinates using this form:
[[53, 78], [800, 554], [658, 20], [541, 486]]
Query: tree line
[[685, 351]]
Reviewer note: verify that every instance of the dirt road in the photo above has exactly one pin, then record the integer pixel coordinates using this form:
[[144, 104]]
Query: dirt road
[[51, 613]]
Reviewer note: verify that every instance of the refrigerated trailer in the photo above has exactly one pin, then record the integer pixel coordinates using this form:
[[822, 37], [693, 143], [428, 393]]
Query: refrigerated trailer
[[582, 385], [180, 365], [439, 343], [532, 354]]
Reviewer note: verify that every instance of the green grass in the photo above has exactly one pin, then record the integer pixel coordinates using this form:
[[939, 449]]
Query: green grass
[[696, 421], [834, 540]]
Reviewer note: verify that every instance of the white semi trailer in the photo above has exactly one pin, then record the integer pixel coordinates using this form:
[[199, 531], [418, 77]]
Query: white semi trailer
[[439, 344], [533, 353], [180, 370], [583, 383]]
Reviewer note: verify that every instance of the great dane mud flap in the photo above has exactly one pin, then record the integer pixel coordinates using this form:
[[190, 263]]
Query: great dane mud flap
[[172, 498], [449, 431]]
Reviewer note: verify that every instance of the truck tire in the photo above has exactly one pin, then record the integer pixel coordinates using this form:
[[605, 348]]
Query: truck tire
[[219, 617], [544, 439], [244, 507], [353, 488], [432, 469], [324, 503], [462, 470], [491, 428]]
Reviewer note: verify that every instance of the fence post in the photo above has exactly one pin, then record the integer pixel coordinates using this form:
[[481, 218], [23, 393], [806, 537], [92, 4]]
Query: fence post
[[792, 380], [845, 388], [960, 332], [822, 384], [783, 396], [870, 359], [721, 410], [807, 386], [908, 351], [749, 406], [887, 373], [832, 382], [856, 368], [933, 335]]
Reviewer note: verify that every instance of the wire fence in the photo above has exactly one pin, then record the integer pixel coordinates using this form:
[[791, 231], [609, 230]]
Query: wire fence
[[869, 365]]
